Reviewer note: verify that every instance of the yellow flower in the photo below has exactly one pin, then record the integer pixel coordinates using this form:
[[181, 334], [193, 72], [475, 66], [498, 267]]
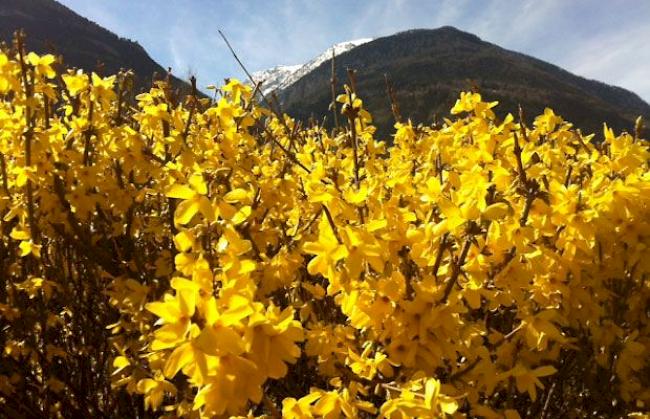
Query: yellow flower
[[76, 83], [435, 401], [528, 380], [42, 64], [194, 200], [219, 336], [175, 314], [327, 251], [298, 409], [154, 391], [271, 340]]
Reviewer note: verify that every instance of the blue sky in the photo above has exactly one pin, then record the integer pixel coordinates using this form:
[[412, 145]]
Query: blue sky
[[607, 40]]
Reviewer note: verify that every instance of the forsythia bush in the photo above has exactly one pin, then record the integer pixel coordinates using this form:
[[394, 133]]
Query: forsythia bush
[[209, 258]]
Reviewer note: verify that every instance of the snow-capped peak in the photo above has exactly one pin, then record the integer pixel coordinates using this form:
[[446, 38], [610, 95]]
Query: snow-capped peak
[[283, 76], [275, 76]]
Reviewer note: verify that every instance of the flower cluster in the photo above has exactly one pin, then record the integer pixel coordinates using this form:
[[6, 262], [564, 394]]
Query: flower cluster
[[210, 258]]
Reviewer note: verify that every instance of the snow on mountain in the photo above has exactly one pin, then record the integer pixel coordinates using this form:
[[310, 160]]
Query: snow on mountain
[[274, 77], [283, 76]]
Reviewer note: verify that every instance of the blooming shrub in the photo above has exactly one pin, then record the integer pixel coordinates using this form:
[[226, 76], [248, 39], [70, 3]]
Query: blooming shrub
[[208, 258]]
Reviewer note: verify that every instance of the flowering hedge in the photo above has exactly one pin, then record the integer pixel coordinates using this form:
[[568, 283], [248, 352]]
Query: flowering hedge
[[207, 258]]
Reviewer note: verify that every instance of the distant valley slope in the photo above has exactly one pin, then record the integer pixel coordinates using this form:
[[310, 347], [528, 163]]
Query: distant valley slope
[[430, 67], [53, 28]]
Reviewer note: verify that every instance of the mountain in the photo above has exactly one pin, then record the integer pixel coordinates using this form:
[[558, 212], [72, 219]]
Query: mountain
[[275, 78], [53, 28], [429, 67], [282, 76]]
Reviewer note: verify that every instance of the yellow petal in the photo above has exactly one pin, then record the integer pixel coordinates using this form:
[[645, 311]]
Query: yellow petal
[[496, 211], [544, 371], [184, 241], [25, 248], [181, 356], [185, 211], [219, 341], [473, 298], [241, 215], [20, 234], [119, 363], [236, 195], [187, 301], [167, 311], [198, 184], [181, 192]]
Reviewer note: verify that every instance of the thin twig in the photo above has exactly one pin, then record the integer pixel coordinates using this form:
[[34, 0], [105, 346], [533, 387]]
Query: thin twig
[[243, 67], [394, 105], [333, 87], [193, 102], [458, 374], [457, 268], [235, 55], [275, 413], [530, 197], [250, 78], [567, 179], [352, 116], [394, 388], [331, 221], [441, 250], [520, 165], [3, 170], [29, 133], [547, 403], [510, 335]]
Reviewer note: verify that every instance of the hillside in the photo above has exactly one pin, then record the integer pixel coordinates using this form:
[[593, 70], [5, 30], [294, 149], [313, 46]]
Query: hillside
[[53, 28], [430, 67]]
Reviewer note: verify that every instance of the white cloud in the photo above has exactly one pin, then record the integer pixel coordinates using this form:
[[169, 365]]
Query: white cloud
[[619, 58]]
